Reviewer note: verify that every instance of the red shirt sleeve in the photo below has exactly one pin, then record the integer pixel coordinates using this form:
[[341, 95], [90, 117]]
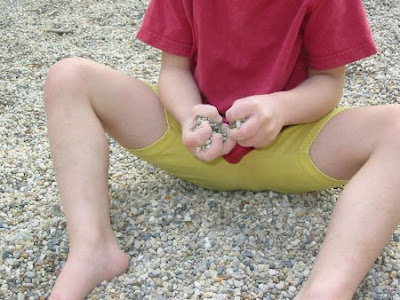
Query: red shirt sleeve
[[166, 26], [336, 32]]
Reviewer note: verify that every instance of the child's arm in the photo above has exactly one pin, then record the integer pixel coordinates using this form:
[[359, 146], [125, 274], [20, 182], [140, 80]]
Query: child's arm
[[180, 96], [268, 114], [178, 89], [315, 97]]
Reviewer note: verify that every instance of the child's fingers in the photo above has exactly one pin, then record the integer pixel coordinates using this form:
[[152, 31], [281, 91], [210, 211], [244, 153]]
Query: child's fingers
[[246, 131], [251, 142], [208, 111], [258, 141], [255, 134], [214, 151], [228, 145], [196, 138], [241, 109]]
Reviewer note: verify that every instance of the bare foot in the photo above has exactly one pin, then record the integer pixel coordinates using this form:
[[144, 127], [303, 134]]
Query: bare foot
[[84, 270]]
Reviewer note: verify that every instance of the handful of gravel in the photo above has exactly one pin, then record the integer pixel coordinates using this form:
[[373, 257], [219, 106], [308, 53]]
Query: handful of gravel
[[216, 127]]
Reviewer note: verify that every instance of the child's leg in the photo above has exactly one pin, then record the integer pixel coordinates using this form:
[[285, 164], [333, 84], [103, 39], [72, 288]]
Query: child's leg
[[362, 144], [83, 101]]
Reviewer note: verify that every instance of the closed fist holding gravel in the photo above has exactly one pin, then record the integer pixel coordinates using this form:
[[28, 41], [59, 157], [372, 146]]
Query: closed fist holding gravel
[[264, 120], [204, 134]]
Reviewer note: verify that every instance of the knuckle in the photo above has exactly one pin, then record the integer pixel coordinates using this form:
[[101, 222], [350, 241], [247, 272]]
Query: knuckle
[[188, 143], [243, 133], [229, 116], [235, 135], [267, 114], [197, 106]]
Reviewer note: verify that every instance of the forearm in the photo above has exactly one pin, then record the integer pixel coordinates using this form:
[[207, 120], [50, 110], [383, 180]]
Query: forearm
[[313, 98], [178, 90]]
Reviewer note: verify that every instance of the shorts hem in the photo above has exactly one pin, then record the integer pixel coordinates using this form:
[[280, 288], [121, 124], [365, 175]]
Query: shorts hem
[[149, 148], [323, 178]]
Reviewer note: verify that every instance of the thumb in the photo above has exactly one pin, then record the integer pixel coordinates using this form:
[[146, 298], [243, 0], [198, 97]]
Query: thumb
[[239, 110]]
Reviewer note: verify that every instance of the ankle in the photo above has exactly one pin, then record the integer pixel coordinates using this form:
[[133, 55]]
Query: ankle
[[91, 240], [105, 259]]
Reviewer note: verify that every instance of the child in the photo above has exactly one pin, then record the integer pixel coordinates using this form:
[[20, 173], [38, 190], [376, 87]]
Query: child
[[276, 65]]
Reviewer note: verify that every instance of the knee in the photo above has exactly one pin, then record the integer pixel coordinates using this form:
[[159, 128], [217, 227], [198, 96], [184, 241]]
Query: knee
[[66, 70], [65, 75]]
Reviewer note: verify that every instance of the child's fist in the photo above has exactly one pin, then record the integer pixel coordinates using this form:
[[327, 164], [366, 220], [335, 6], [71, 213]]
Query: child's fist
[[204, 134]]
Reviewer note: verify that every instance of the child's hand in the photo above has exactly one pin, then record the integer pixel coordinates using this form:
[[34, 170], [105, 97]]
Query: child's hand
[[195, 136], [263, 120]]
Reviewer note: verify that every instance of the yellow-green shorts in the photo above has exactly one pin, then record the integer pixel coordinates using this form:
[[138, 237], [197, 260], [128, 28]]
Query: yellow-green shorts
[[283, 166]]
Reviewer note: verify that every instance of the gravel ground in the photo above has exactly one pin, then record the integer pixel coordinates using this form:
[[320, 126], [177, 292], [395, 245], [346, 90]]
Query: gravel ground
[[185, 242]]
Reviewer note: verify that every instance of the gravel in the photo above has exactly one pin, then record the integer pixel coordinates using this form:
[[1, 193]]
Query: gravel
[[185, 242]]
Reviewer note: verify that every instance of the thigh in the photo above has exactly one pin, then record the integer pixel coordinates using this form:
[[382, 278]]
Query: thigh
[[348, 140], [285, 165], [128, 109]]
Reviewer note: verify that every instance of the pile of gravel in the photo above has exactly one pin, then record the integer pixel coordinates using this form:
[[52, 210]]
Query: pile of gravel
[[185, 242]]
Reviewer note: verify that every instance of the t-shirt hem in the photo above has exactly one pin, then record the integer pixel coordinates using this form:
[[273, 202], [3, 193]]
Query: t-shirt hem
[[237, 153], [164, 44], [342, 58]]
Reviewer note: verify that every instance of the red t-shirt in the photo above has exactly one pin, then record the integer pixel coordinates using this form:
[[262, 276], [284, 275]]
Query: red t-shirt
[[240, 48]]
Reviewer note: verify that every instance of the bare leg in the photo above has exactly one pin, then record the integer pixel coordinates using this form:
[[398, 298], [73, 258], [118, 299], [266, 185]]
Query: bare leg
[[362, 144], [83, 101]]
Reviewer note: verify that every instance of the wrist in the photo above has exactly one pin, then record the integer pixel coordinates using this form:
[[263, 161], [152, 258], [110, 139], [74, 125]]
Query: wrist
[[282, 106]]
